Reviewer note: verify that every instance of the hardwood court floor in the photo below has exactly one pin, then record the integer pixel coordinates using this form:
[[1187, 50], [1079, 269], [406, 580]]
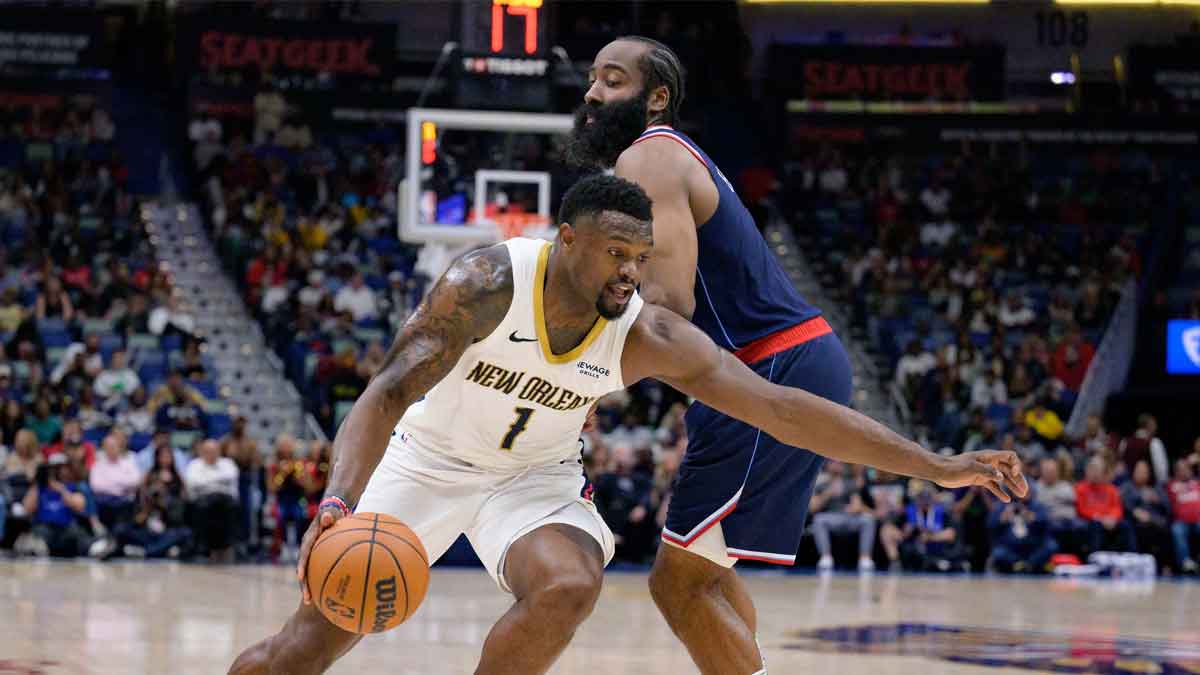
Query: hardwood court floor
[[117, 618]]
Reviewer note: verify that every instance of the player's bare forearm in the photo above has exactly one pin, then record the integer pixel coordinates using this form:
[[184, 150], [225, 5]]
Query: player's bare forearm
[[467, 303], [672, 350]]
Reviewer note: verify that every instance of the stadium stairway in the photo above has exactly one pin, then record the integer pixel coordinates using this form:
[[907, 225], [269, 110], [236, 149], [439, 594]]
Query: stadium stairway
[[870, 398], [249, 375]]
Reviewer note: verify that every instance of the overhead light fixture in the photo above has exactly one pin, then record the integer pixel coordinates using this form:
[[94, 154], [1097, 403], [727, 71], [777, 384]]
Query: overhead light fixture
[[1062, 77]]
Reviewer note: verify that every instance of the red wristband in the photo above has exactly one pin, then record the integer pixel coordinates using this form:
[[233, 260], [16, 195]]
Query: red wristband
[[335, 502]]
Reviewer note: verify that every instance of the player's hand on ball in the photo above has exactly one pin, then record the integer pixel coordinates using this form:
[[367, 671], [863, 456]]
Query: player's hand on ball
[[325, 519], [998, 471]]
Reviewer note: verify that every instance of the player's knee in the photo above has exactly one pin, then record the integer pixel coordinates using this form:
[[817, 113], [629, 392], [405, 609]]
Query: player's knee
[[570, 594]]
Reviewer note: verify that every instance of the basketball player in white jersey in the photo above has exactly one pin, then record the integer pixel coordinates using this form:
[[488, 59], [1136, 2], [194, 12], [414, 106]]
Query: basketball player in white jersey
[[472, 425]]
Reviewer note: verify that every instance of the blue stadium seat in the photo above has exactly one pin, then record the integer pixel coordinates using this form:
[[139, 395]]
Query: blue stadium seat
[[96, 435], [139, 441], [207, 388], [219, 425], [152, 372], [56, 339]]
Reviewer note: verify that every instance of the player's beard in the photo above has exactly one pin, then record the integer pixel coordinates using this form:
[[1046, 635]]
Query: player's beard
[[607, 312], [615, 126]]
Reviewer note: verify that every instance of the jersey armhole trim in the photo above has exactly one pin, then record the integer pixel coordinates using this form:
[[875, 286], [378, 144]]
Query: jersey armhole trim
[[667, 134]]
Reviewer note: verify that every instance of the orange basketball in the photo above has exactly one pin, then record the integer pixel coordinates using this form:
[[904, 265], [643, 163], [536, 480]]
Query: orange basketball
[[368, 573]]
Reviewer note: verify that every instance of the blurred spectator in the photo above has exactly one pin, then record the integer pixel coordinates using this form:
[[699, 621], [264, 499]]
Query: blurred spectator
[[88, 415], [211, 482], [12, 312], [44, 422], [915, 363], [171, 318], [115, 479], [358, 299], [146, 457], [1184, 493], [136, 320], [1095, 440], [1144, 445], [269, 109], [1149, 511], [158, 528], [623, 497], [842, 505], [1015, 313], [1056, 497], [205, 133], [1072, 358], [73, 445], [116, 382], [1021, 538], [1031, 450], [1099, 504], [972, 510], [58, 501], [137, 417], [930, 542], [1048, 425], [13, 418], [988, 390], [53, 302], [287, 483], [177, 406], [20, 472], [936, 199]]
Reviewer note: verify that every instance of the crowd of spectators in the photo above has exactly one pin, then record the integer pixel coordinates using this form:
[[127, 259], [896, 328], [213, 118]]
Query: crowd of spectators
[[110, 412]]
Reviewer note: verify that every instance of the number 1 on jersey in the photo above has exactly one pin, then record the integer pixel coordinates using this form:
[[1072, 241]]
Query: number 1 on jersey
[[523, 415]]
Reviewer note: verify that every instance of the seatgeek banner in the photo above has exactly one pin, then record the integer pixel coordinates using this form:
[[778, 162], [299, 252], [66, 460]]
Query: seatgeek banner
[[854, 72]]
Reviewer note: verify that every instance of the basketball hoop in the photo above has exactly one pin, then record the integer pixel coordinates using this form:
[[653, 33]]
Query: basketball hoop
[[519, 224]]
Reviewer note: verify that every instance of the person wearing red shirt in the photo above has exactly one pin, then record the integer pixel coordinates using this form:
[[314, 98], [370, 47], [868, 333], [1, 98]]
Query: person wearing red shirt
[[1099, 503], [72, 445], [1184, 493], [1071, 359]]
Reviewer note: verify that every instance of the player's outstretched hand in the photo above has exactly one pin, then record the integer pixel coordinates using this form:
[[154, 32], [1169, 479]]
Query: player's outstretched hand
[[997, 470], [324, 520]]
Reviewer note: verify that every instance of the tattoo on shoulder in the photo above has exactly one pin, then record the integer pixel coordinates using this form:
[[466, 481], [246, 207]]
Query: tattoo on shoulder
[[466, 304]]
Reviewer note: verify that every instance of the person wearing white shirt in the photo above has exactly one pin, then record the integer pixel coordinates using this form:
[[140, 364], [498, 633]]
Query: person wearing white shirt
[[938, 233], [212, 488], [116, 382], [358, 299], [987, 390], [1015, 313], [936, 199], [171, 316], [914, 363]]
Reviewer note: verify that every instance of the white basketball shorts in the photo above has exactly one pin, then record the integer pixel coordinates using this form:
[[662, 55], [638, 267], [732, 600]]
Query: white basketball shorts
[[440, 498]]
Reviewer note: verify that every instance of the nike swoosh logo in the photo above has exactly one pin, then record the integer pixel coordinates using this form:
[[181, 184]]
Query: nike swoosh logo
[[513, 338]]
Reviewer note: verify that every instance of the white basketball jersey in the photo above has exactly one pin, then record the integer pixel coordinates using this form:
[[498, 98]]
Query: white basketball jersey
[[510, 403]]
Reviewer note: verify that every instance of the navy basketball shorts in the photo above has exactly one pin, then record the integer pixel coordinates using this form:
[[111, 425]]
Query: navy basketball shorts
[[742, 490]]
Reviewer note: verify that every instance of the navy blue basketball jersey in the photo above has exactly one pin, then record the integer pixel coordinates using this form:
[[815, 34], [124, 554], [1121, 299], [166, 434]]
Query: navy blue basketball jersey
[[742, 292]]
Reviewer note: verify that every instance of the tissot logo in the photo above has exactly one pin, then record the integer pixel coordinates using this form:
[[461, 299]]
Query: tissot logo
[[596, 372]]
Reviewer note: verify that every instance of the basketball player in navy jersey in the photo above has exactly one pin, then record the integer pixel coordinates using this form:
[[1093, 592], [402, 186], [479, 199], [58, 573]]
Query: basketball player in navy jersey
[[741, 493]]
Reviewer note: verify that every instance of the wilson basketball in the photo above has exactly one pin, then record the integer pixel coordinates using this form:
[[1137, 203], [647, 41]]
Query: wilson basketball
[[368, 573]]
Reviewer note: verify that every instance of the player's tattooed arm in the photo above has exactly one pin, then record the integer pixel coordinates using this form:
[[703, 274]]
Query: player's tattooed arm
[[664, 346], [465, 305]]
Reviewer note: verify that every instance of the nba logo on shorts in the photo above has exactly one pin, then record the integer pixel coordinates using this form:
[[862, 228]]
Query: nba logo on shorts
[[1183, 347]]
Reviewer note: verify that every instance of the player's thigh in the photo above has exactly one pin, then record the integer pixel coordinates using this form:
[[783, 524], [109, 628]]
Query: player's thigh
[[309, 639], [554, 555], [543, 496], [434, 497]]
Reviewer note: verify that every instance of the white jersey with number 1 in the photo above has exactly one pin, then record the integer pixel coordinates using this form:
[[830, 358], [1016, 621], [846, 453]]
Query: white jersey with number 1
[[510, 403]]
